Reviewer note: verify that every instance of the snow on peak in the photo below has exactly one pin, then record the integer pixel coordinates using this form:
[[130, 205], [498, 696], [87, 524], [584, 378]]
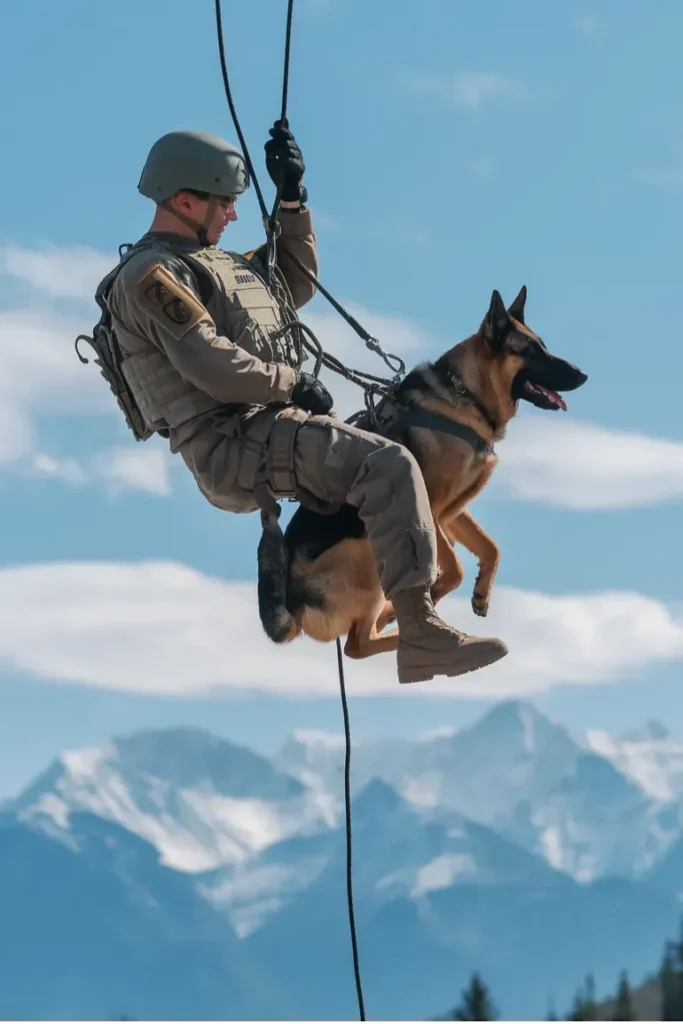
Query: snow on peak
[[85, 764], [651, 757], [443, 872], [318, 738], [210, 810]]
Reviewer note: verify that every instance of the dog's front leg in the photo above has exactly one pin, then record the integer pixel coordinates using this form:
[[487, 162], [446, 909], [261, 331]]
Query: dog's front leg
[[467, 532]]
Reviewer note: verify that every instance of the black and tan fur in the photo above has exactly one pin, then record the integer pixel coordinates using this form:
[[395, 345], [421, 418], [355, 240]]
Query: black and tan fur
[[322, 581]]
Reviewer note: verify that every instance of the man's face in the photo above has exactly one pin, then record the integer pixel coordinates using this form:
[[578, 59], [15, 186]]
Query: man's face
[[197, 208]]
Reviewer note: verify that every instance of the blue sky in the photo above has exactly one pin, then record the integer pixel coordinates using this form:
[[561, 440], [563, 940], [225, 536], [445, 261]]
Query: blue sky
[[451, 148]]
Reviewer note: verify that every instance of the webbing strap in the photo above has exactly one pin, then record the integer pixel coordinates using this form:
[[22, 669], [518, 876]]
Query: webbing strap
[[280, 458], [411, 417]]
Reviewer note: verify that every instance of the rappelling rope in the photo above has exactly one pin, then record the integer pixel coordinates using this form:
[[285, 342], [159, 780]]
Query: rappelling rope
[[347, 804], [371, 386], [394, 362]]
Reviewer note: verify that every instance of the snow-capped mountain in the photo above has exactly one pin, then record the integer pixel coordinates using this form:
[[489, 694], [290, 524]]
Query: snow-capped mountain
[[469, 848], [594, 822], [438, 896], [512, 752], [201, 801], [525, 776], [590, 809], [414, 850], [251, 892]]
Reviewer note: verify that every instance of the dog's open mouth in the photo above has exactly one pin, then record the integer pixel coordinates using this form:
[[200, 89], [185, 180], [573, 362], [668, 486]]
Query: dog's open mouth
[[538, 394], [543, 397]]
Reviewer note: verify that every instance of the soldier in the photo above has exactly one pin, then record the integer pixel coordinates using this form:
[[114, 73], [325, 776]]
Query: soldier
[[207, 353]]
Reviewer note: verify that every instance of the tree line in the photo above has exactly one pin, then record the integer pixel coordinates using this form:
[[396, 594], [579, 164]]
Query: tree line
[[660, 997]]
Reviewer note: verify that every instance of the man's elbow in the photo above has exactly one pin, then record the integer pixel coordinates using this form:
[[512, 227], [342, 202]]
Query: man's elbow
[[303, 292]]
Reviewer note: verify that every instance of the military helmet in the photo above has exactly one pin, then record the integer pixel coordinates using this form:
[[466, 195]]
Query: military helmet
[[192, 160]]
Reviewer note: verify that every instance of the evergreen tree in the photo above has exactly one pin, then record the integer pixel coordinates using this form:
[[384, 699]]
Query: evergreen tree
[[623, 1004], [670, 984], [585, 1007], [476, 1002]]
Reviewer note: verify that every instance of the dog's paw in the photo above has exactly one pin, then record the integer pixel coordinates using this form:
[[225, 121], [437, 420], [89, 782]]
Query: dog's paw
[[480, 604]]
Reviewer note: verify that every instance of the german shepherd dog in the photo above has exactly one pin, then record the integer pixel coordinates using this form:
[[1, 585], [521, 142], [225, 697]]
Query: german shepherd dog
[[448, 414]]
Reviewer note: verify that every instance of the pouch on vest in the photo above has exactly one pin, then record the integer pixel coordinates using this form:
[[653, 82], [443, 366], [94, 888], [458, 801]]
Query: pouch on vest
[[108, 358]]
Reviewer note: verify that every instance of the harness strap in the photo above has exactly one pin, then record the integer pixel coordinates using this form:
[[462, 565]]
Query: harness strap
[[280, 457], [411, 417]]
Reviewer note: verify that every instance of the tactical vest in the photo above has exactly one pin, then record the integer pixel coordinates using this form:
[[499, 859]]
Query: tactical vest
[[243, 309]]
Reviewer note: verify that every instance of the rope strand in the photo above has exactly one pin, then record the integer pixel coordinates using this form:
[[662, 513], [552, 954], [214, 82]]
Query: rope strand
[[395, 363], [347, 804]]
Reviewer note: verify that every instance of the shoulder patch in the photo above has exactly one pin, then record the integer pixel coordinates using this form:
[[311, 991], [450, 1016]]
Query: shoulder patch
[[255, 254], [170, 298]]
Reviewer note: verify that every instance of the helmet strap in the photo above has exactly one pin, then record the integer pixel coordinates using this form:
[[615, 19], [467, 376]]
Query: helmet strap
[[199, 229]]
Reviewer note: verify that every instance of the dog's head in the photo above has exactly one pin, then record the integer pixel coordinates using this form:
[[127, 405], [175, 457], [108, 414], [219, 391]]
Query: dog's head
[[524, 368]]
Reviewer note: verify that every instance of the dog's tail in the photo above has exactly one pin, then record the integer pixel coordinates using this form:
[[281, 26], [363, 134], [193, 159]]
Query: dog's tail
[[273, 583]]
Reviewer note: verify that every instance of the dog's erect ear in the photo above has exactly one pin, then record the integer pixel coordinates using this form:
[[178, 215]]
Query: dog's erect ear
[[497, 324], [517, 308]]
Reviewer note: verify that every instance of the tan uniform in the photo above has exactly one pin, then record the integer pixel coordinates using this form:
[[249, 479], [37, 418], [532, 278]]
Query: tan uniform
[[212, 365]]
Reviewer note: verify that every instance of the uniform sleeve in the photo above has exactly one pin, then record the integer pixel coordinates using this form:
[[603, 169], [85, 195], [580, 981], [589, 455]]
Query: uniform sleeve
[[157, 305], [297, 237]]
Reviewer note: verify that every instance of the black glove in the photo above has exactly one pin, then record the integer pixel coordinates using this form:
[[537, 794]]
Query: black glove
[[311, 395], [284, 162]]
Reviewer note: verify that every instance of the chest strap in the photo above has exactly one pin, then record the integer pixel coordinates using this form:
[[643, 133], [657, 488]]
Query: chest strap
[[411, 417]]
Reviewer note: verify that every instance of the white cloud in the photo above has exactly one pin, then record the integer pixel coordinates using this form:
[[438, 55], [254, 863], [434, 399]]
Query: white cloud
[[72, 273], [42, 376], [68, 470], [121, 469], [469, 89], [16, 431], [163, 628], [40, 370], [570, 464], [141, 469]]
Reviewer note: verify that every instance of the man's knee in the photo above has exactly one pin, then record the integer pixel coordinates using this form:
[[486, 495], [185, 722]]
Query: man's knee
[[396, 463], [329, 455], [337, 462]]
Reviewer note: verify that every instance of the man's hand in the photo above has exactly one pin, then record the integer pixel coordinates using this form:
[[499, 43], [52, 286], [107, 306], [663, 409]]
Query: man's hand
[[284, 162], [311, 395]]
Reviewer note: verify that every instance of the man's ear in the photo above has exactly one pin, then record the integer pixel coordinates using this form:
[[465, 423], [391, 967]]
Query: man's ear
[[497, 323], [517, 308]]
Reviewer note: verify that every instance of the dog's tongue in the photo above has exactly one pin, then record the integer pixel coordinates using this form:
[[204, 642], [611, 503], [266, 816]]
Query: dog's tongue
[[552, 396]]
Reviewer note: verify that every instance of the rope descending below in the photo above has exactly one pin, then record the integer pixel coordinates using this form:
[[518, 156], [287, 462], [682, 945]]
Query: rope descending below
[[347, 801]]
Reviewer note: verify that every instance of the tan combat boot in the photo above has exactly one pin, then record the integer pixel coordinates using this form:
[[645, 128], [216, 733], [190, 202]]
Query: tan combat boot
[[427, 647]]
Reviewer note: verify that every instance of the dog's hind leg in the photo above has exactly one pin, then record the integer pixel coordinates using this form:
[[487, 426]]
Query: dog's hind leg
[[363, 639], [469, 533], [386, 616], [451, 576], [452, 572]]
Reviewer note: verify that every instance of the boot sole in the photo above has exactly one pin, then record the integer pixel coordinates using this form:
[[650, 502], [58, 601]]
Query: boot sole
[[418, 674]]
